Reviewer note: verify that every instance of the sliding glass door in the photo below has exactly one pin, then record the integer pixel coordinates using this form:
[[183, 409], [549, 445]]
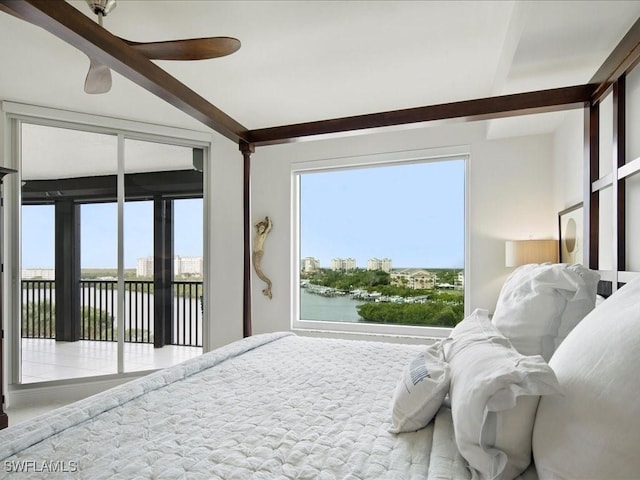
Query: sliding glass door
[[108, 283]]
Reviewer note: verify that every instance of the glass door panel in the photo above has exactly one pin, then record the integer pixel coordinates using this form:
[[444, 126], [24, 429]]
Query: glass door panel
[[164, 294], [65, 319], [188, 271]]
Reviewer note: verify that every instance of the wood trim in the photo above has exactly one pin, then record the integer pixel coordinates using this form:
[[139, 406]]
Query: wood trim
[[247, 149], [4, 418], [621, 60], [75, 28], [479, 109], [591, 175], [619, 184]]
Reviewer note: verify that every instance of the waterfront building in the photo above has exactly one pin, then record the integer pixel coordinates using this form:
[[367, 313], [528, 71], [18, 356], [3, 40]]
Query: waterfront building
[[383, 264], [38, 273], [144, 267], [415, 278], [187, 265], [343, 264], [310, 265], [181, 266]]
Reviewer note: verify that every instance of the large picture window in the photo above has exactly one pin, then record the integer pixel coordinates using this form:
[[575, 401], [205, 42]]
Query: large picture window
[[382, 245]]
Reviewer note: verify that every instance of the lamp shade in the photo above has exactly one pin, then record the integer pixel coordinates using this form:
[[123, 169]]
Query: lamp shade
[[521, 252]]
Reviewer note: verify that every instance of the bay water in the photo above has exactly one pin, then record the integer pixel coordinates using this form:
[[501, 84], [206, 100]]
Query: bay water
[[341, 308]]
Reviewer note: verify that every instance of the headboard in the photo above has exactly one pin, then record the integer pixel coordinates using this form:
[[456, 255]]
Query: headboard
[[612, 186]]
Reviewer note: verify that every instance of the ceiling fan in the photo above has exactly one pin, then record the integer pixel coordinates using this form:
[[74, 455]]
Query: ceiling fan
[[98, 78]]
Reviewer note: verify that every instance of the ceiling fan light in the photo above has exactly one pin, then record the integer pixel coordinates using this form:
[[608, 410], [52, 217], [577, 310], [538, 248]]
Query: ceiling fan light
[[101, 7]]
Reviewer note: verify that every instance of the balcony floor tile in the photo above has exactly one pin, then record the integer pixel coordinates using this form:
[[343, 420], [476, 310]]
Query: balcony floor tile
[[46, 360]]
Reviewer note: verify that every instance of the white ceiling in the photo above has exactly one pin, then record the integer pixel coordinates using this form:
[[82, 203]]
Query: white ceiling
[[311, 60]]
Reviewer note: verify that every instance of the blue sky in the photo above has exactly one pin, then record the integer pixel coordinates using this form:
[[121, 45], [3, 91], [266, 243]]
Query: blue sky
[[410, 213], [99, 237]]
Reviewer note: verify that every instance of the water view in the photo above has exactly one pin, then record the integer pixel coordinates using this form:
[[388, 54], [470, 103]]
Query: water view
[[340, 308], [411, 296]]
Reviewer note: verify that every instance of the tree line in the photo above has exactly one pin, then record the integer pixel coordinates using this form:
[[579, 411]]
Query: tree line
[[39, 321], [441, 308], [435, 313]]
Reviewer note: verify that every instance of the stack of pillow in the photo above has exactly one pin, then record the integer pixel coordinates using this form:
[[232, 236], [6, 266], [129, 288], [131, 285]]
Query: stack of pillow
[[592, 430], [496, 370]]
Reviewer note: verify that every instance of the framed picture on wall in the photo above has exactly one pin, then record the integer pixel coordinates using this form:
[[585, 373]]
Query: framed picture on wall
[[571, 243]]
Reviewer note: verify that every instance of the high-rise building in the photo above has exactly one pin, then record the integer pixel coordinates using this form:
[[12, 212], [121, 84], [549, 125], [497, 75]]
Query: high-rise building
[[310, 265], [181, 266], [383, 264], [343, 264]]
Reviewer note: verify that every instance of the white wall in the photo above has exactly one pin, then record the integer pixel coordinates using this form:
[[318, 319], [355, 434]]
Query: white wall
[[633, 183], [224, 272], [510, 188], [568, 164]]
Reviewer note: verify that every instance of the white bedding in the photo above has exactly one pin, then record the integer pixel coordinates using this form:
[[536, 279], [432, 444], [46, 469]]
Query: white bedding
[[269, 406]]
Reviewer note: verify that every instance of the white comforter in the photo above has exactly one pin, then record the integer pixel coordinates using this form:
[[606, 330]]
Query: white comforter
[[266, 407]]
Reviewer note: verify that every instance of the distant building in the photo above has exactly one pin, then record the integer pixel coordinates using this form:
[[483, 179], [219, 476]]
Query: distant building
[[415, 278], [188, 265], [343, 264], [181, 266], [459, 281], [38, 273], [310, 265], [144, 267], [383, 264]]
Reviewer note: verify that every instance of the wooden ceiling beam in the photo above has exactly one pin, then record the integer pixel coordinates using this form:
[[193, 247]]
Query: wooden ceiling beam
[[75, 28], [479, 109], [623, 58], [67, 23]]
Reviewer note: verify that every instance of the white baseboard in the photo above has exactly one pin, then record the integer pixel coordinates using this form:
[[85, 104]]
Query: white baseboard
[[61, 392]]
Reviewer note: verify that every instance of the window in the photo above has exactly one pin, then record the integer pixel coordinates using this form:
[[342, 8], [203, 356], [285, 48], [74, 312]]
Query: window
[[381, 246]]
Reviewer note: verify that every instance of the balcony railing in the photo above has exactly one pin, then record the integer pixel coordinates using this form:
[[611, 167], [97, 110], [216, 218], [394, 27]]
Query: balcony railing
[[98, 307]]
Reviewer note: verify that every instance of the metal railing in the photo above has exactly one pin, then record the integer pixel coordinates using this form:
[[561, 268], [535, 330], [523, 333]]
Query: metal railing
[[38, 311], [98, 305]]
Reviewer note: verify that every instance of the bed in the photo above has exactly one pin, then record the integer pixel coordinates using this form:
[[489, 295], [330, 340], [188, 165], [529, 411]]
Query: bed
[[269, 406], [285, 406]]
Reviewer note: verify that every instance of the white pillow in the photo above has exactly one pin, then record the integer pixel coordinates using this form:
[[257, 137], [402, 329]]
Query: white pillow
[[539, 305], [420, 391], [494, 394], [593, 430]]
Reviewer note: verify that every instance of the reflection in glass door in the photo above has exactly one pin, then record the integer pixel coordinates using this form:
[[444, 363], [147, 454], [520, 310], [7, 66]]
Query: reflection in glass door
[[65, 326], [120, 288], [165, 295]]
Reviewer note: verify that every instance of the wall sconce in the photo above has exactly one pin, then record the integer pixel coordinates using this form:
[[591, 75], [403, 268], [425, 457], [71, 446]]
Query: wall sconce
[[521, 252]]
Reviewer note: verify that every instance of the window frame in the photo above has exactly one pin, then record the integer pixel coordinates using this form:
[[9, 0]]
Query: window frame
[[368, 161]]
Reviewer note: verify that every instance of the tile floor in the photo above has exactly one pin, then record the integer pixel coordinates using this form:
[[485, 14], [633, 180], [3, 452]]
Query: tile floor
[[46, 360]]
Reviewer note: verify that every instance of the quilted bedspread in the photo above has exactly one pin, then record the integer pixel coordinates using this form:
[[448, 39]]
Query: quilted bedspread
[[266, 407]]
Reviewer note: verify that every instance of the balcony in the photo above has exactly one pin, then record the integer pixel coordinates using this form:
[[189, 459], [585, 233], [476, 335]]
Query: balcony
[[95, 351]]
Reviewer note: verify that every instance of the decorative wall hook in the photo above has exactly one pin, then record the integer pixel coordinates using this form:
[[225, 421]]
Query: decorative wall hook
[[263, 228]]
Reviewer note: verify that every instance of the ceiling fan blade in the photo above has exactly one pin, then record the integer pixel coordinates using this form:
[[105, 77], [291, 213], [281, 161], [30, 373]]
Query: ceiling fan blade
[[98, 78], [187, 49]]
